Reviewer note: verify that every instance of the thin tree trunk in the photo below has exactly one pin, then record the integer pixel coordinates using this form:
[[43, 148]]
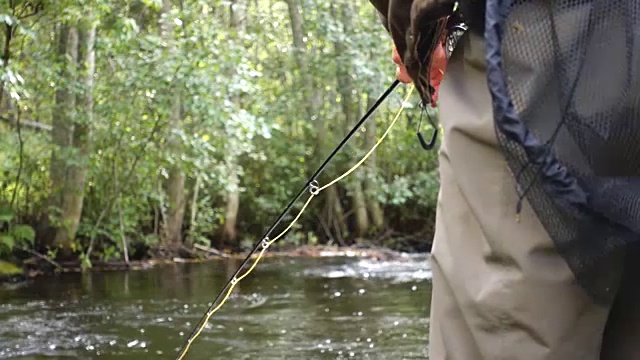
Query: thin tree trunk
[[357, 185], [313, 100], [377, 215], [176, 180], [349, 103], [312, 94], [229, 233], [299, 53], [360, 209], [125, 246], [6, 52], [176, 197], [336, 212], [194, 208], [233, 202], [62, 138]]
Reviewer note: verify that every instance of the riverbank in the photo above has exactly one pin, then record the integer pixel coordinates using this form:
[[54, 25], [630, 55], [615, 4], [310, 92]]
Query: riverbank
[[10, 273], [41, 265]]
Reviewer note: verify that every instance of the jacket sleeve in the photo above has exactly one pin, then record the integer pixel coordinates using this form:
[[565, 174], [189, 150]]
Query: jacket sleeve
[[396, 19], [382, 7]]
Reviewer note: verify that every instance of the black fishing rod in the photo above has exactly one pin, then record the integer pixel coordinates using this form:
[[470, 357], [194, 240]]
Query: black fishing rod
[[311, 185]]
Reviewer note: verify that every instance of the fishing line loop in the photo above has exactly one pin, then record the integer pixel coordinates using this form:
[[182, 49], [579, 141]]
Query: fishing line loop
[[314, 188]]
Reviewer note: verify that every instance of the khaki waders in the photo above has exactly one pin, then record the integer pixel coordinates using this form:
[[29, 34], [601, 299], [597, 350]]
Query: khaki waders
[[500, 290]]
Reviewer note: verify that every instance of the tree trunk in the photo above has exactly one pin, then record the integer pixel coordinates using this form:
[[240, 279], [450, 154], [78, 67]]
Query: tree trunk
[[237, 13], [377, 215], [63, 227], [190, 240], [6, 56], [71, 133], [313, 99], [176, 180], [360, 209], [336, 214], [62, 117], [176, 197], [297, 32], [233, 202], [349, 104], [77, 172]]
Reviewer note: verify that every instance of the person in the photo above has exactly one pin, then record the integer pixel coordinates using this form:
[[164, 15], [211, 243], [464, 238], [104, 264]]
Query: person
[[503, 287], [436, 74]]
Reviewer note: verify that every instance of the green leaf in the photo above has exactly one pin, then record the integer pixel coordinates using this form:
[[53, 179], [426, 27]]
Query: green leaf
[[8, 241], [9, 269], [154, 4], [6, 215], [24, 233]]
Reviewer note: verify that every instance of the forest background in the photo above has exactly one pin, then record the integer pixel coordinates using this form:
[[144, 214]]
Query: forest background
[[138, 129]]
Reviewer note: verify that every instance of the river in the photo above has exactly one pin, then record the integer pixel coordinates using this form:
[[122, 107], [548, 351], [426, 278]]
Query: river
[[288, 308]]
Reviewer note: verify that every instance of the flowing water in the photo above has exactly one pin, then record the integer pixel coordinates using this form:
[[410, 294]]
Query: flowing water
[[288, 308]]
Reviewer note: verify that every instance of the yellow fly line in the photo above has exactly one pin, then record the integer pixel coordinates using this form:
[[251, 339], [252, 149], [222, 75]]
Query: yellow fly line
[[315, 190]]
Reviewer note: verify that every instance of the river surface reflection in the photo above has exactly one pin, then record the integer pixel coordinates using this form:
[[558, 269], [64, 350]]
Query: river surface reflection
[[288, 308]]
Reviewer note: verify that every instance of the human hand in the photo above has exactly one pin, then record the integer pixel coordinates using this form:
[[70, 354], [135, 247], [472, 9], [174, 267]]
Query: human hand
[[438, 67], [401, 72]]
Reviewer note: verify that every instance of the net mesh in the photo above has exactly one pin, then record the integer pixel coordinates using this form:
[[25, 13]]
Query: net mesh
[[571, 73]]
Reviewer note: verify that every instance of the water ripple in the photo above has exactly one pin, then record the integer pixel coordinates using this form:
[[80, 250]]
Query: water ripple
[[396, 271], [309, 309]]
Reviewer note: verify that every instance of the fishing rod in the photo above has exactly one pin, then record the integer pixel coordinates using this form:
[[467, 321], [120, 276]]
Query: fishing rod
[[457, 29], [314, 189]]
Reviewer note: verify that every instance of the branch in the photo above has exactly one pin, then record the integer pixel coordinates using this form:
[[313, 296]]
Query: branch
[[125, 247], [33, 125], [43, 257], [21, 160], [211, 250]]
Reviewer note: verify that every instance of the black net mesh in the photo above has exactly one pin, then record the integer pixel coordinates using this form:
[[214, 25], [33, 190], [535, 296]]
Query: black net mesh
[[571, 69]]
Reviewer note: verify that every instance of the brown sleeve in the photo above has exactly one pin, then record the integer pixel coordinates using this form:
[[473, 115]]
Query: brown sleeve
[[382, 6], [396, 19]]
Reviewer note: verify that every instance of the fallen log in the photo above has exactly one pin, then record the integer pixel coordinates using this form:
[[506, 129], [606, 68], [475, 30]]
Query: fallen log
[[211, 250]]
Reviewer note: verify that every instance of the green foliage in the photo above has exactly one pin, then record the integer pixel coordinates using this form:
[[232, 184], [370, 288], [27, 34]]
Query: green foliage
[[244, 97], [9, 269], [12, 234]]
